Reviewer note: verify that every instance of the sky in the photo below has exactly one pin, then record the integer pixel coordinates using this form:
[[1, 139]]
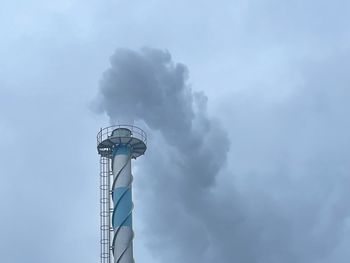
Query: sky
[[248, 159]]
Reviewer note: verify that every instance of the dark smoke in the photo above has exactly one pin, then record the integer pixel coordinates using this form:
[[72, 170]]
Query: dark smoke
[[148, 86], [292, 208]]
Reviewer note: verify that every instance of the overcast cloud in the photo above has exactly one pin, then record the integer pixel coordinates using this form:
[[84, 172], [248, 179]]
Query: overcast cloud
[[261, 91]]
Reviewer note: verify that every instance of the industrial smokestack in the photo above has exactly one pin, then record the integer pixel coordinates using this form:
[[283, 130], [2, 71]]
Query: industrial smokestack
[[117, 145]]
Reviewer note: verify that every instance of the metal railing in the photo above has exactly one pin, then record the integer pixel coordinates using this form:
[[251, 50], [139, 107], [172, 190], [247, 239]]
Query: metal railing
[[136, 132]]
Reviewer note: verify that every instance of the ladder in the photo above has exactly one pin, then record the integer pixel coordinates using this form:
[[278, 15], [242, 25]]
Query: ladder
[[105, 209]]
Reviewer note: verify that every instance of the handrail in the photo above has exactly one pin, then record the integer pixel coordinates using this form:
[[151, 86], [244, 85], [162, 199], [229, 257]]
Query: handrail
[[136, 132]]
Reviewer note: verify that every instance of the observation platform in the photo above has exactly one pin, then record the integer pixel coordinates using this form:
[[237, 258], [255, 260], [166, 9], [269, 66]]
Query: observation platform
[[129, 135]]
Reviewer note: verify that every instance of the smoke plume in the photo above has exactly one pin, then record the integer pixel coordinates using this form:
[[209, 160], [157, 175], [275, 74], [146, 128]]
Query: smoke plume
[[184, 163], [284, 201]]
